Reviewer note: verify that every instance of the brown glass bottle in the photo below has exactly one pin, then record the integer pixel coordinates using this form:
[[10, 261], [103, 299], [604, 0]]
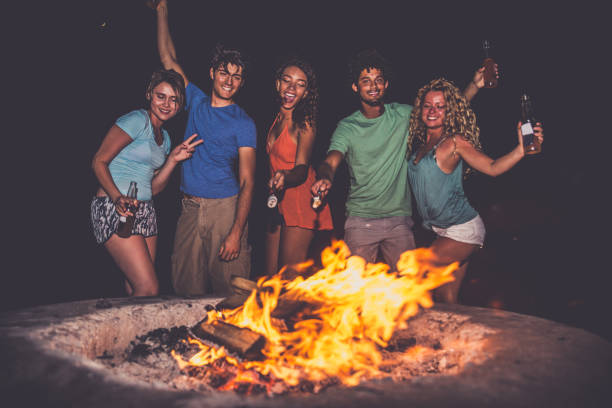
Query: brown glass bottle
[[490, 77], [124, 230], [531, 143]]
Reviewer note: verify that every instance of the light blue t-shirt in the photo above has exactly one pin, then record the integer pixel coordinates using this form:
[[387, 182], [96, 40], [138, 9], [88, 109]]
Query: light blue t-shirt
[[210, 171], [138, 160]]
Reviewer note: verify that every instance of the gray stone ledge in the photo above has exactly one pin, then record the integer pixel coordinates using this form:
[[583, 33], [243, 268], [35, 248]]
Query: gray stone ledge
[[531, 362]]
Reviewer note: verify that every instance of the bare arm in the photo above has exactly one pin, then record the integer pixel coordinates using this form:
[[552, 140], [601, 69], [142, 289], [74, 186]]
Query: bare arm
[[298, 174], [489, 166], [114, 141], [181, 152], [165, 46], [230, 249], [326, 172], [476, 83]]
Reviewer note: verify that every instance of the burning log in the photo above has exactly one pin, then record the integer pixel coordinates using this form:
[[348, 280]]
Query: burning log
[[243, 342], [285, 307], [242, 285], [232, 301], [242, 290], [333, 323]]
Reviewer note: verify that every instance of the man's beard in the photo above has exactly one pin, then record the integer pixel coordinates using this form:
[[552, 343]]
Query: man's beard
[[377, 102]]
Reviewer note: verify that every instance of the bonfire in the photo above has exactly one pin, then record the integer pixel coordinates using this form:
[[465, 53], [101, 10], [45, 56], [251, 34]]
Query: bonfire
[[318, 326]]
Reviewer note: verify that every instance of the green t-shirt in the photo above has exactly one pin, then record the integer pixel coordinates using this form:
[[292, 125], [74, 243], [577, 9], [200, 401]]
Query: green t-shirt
[[375, 150]]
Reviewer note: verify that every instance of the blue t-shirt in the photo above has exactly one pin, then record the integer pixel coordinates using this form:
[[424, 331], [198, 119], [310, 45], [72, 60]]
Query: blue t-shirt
[[210, 171], [138, 160]]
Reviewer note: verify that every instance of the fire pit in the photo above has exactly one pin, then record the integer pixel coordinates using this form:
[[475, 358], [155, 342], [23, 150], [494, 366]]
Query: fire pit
[[349, 333], [58, 355]]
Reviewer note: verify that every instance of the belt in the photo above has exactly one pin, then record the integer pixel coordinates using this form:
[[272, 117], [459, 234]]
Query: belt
[[189, 196]]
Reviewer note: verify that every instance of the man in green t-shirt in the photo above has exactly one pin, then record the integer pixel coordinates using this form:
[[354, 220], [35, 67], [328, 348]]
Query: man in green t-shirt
[[374, 142]]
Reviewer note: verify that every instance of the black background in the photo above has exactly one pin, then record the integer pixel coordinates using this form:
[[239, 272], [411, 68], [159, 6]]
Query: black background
[[75, 68]]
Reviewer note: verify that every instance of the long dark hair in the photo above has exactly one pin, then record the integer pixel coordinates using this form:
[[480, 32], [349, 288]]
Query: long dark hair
[[306, 110]]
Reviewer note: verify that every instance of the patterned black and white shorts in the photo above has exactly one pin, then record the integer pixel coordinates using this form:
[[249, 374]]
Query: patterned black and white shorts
[[105, 219]]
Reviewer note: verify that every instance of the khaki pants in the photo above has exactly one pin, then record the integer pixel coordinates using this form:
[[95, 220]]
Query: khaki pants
[[391, 235], [202, 226]]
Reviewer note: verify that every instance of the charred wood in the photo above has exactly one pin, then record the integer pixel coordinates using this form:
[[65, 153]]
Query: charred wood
[[241, 341]]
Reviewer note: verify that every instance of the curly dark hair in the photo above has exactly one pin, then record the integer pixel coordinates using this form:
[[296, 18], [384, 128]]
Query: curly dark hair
[[223, 55], [173, 78], [306, 110], [368, 59], [460, 118]]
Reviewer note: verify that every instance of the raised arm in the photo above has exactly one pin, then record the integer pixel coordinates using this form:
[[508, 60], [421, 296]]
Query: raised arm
[[165, 46], [326, 172], [298, 174], [230, 249], [494, 167], [476, 83]]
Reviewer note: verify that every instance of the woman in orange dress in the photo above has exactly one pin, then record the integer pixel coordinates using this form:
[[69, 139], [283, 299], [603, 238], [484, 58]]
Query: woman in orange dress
[[289, 146]]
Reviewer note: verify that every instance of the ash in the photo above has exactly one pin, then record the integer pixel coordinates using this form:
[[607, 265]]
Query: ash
[[436, 344], [148, 359]]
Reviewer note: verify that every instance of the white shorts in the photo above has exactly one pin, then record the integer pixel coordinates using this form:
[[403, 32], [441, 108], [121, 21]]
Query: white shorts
[[471, 232]]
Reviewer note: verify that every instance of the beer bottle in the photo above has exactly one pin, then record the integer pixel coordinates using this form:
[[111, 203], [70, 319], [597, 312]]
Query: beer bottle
[[273, 215], [531, 143], [124, 230], [316, 201], [490, 78], [272, 199]]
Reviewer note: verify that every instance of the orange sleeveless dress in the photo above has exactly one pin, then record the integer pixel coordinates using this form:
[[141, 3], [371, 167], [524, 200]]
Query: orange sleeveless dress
[[295, 206]]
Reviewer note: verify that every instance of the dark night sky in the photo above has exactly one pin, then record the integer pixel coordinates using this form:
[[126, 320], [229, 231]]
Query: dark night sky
[[87, 64]]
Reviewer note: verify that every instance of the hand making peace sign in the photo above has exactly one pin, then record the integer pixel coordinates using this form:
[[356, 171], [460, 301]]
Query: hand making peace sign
[[185, 150]]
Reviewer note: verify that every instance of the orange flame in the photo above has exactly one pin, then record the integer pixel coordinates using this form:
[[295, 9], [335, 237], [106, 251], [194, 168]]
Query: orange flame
[[354, 309]]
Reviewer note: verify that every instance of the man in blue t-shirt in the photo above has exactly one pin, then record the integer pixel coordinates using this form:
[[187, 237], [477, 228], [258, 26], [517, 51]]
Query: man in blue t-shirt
[[210, 243]]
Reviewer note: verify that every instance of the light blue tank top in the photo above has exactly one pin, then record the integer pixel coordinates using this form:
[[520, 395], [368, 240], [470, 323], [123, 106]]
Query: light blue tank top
[[138, 160], [440, 199]]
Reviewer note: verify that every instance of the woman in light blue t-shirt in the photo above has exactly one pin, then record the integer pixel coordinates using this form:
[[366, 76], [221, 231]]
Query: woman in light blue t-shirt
[[136, 148]]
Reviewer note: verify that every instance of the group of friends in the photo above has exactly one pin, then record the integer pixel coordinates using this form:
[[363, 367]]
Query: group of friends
[[392, 150]]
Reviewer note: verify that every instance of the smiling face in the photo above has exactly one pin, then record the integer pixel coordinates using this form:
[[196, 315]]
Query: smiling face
[[371, 86], [433, 110], [163, 103], [292, 87], [227, 80]]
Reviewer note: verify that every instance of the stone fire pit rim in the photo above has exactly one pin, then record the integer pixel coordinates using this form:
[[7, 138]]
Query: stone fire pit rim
[[534, 360]]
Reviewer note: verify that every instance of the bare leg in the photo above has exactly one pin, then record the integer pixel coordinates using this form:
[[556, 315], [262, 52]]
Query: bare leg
[[294, 245], [447, 251], [272, 244], [128, 288], [134, 259], [152, 247]]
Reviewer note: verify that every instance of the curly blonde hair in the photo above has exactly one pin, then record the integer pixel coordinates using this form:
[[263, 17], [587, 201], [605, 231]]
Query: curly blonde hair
[[459, 120]]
